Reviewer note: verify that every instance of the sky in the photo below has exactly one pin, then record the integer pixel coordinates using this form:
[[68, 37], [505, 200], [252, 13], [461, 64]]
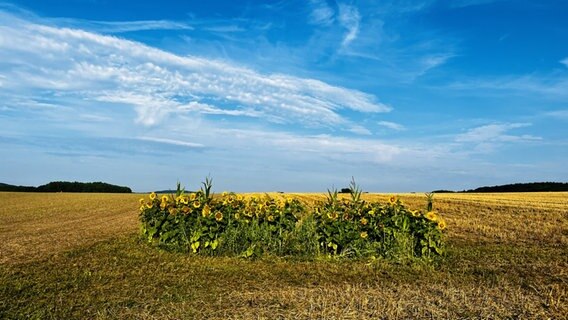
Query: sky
[[293, 96]]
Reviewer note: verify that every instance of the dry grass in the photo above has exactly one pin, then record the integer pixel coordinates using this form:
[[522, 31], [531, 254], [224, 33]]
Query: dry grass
[[36, 225], [78, 256]]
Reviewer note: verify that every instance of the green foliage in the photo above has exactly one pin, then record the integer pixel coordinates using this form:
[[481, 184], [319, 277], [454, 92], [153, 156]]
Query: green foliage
[[65, 186], [231, 224]]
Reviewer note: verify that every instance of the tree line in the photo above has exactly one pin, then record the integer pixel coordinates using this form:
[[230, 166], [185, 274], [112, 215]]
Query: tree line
[[517, 187], [65, 186]]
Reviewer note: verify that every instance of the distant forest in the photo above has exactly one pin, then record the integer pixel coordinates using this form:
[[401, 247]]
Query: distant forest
[[64, 186], [517, 187]]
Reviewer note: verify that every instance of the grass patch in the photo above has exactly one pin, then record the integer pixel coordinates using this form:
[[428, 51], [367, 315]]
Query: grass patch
[[125, 278], [118, 276]]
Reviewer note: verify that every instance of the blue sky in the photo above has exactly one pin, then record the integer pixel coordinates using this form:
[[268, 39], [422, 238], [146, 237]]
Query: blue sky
[[284, 95]]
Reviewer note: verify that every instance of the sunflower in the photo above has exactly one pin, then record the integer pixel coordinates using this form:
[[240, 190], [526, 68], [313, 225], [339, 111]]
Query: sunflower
[[392, 200], [152, 196], [192, 196], [237, 216], [186, 209], [431, 215], [333, 215], [196, 204], [363, 235], [142, 207], [364, 221], [442, 224], [164, 198], [206, 211], [172, 211], [184, 200], [270, 218], [372, 213], [149, 205], [141, 200], [415, 213], [218, 215]]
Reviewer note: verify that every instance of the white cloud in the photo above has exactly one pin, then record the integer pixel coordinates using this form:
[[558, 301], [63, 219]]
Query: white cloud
[[349, 18], [392, 125], [157, 83], [321, 13], [565, 62], [357, 129], [172, 142], [121, 26], [558, 114], [495, 133], [552, 86]]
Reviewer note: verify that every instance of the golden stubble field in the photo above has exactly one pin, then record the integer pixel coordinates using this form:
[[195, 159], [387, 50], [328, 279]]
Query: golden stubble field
[[77, 256]]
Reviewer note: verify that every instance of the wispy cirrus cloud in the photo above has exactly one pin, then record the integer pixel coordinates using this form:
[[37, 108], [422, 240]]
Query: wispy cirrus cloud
[[157, 83], [496, 132], [349, 18], [392, 125], [551, 86], [121, 26], [321, 13]]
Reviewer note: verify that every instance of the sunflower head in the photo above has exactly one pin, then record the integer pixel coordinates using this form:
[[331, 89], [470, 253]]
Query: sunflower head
[[196, 204], [431, 215], [206, 211], [364, 221], [442, 224], [153, 196], [392, 200], [218, 216], [363, 235]]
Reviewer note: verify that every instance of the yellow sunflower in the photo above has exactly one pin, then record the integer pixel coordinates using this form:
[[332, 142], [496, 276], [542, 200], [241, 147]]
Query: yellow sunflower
[[363, 235], [442, 224], [372, 213], [218, 216], [206, 211], [192, 196], [186, 209], [164, 198], [141, 200], [415, 213], [392, 200], [333, 215], [196, 204], [431, 215], [152, 196], [364, 221], [270, 218]]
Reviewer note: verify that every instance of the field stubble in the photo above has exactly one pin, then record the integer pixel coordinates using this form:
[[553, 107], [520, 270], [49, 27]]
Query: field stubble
[[78, 256]]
